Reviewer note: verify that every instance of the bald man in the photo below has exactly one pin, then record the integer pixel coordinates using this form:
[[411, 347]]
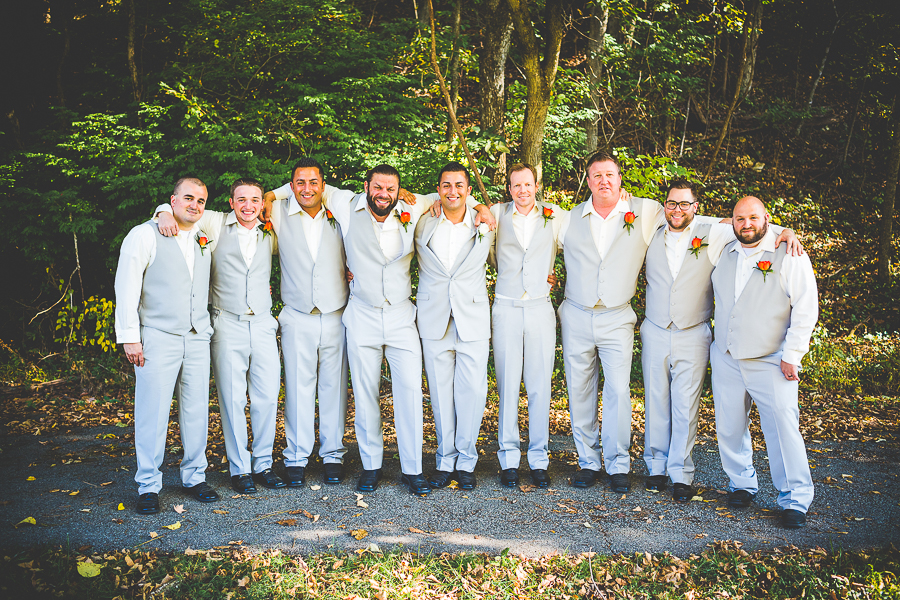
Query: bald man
[[766, 308]]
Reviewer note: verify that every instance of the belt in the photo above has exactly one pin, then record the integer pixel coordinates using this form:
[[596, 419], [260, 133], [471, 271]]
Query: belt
[[522, 303]]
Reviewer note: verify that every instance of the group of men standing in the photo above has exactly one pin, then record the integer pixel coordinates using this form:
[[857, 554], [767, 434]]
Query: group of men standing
[[325, 237]]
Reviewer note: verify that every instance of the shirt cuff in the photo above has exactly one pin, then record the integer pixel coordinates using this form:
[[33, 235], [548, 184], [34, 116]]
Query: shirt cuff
[[129, 336], [792, 357]]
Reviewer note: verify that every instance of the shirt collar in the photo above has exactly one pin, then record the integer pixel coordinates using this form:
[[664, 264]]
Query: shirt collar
[[686, 231], [621, 206], [533, 212], [232, 219], [467, 219]]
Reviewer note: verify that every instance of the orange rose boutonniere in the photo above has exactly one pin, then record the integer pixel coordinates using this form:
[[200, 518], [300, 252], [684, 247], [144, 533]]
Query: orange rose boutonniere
[[267, 229], [629, 221], [547, 213], [697, 244], [203, 242], [404, 219], [765, 267], [330, 218]]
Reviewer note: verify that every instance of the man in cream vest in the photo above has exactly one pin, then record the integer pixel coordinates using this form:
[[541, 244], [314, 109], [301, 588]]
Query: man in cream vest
[[454, 320], [676, 334], [766, 309], [162, 321], [378, 230], [244, 347], [523, 321]]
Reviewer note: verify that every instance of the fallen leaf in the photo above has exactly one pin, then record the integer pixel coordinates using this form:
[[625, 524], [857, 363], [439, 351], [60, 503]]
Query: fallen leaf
[[315, 487], [373, 548], [359, 534], [85, 510], [89, 569], [287, 522], [415, 530], [315, 518], [179, 508], [636, 509], [362, 504], [121, 506], [338, 564], [118, 521], [173, 526], [588, 525], [220, 512], [236, 543], [75, 493], [190, 552], [30, 478], [153, 535], [105, 484], [27, 521], [242, 582], [697, 499]]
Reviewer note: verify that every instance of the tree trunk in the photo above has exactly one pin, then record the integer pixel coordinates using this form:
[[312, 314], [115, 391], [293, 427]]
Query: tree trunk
[[132, 65], [726, 55], [887, 211], [754, 13], [496, 36], [540, 65], [812, 92], [454, 66], [596, 44]]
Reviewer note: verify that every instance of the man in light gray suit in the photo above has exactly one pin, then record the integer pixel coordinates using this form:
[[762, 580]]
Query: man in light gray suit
[[766, 308], [162, 321], [454, 323]]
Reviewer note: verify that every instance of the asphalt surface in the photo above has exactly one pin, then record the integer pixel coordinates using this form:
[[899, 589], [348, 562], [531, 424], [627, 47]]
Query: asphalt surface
[[857, 505]]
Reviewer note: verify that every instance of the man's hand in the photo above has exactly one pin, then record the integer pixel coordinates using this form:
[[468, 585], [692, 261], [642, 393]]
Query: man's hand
[[266, 213], [791, 372], [485, 216], [552, 280], [349, 275], [794, 247], [435, 210], [134, 353], [624, 195], [167, 225], [407, 196]]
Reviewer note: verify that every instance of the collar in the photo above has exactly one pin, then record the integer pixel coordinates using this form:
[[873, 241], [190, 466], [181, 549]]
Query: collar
[[533, 212], [232, 219], [468, 221], [687, 230], [620, 207], [767, 244], [295, 208]]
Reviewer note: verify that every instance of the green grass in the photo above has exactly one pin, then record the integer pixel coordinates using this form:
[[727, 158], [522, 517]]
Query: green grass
[[723, 571]]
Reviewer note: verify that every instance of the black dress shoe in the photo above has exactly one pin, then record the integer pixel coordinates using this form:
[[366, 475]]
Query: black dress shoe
[[740, 498], [147, 504], [243, 484], [368, 481], [466, 480], [268, 479], [440, 479], [201, 492], [509, 478], [682, 492], [540, 478], [656, 483], [618, 482], [793, 519], [585, 478], [294, 476], [334, 473], [416, 484]]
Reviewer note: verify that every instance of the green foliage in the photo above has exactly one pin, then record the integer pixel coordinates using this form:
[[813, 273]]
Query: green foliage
[[856, 365], [646, 176], [90, 324]]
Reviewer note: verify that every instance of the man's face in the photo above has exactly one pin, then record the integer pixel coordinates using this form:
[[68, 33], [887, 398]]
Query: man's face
[[604, 180], [750, 221], [684, 211], [246, 204], [308, 187], [188, 203], [453, 188], [522, 188], [382, 194]]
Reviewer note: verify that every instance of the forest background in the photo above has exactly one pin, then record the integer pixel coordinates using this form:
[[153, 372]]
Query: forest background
[[107, 103]]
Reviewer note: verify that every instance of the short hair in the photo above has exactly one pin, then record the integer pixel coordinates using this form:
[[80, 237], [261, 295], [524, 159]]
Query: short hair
[[183, 180], [383, 169], [454, 167], [603, 156], [520, 167], [246, 181], [684, 184], [308, 162]]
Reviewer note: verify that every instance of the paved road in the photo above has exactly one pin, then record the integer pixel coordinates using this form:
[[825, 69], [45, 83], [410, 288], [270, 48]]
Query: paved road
[[857, 505]]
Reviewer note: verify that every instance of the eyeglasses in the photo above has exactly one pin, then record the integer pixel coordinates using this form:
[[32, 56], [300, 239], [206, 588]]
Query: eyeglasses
[[672, 205]]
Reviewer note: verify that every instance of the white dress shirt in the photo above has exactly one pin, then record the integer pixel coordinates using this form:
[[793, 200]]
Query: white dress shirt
[[211, 223], [312, 226], [605, 229], [678, 243], [138, 252], [798, 281], [448, 238]]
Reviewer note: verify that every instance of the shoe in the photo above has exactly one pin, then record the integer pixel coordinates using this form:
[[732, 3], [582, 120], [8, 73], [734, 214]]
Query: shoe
[[682, 492], [147, 504], [243, 484], [793, 519], [334, 473], [201, 492], [656, 483], [509, 478], [740, 498], [440, 479], [618, 482], [416, 484], [466, 480], [294, 476], [540, 478], [585, 478], [368, 481], [268, 479]]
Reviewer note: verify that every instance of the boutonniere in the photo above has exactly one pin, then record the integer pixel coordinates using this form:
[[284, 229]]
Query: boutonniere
[[765, 267], [697, 244], [481, 230], [629, 221], [404, 219], [267, 229], [203, 242], [547, 214], [330, 218]]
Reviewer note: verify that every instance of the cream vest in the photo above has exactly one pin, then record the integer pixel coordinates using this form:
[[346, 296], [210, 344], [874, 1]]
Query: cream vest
[[518, 270], [234, 287]]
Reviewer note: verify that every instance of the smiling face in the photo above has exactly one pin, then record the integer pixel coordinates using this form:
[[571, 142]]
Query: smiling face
[[679, 217], [604, 181], [453, 189], [247, 202], [308, 187], [522, 189], [188, 203], [382, 193], [750, 221]]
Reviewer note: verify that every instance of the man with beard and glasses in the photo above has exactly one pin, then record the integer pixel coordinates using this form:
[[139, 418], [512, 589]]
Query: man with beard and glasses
[[379, 230], [676, 334], [766, 308]]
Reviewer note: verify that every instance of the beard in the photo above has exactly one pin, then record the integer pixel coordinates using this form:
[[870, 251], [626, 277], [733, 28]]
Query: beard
[[686, 220], [376, 210], [752, 237]]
